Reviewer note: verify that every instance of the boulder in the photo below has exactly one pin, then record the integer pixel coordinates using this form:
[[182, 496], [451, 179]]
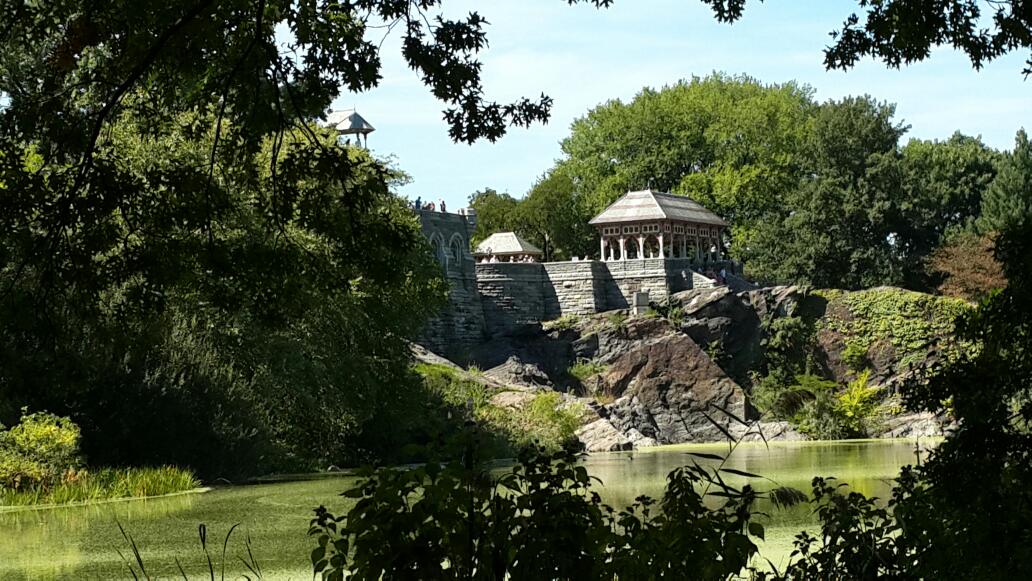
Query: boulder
[[666, 388], [913, 425], [601, 436], [520, 373]]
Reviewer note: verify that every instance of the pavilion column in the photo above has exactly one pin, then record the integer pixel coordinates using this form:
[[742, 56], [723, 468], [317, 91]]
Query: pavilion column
[[698, 248], [641, 247], [602, 248], [684, 246], [623, 248], [662, 250]]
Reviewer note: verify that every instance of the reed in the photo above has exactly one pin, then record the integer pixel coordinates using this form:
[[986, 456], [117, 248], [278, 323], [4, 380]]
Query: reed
[[104, 484]]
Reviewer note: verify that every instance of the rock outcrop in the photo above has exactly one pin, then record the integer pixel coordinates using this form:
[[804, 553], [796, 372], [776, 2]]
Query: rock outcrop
[[670, 380], [669, 390]]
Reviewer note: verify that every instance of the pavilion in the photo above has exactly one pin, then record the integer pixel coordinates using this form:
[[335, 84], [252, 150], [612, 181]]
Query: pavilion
[[506, 247], [649, 224]]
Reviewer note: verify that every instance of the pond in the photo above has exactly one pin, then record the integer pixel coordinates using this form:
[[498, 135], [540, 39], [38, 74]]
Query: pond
[[84, 542]]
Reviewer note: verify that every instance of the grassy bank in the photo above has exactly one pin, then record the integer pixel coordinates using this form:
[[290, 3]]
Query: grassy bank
[[104, 484], [539, 417]]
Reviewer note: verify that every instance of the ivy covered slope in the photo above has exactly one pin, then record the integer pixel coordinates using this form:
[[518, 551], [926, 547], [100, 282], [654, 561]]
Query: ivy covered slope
[[893, 332]]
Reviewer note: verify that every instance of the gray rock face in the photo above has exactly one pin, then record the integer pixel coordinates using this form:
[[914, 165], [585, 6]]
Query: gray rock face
[[516, 372], [601, 436], [667, 387], [913, 425], [734, 321]]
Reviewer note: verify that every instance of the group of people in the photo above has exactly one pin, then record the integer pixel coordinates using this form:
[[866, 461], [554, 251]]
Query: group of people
[[429, 206], [493, 258]]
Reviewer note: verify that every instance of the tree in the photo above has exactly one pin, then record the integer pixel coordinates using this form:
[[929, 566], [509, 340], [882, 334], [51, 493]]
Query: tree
[[943, 186], [186, 259], [228, 319], [1008, 201], [967, 267], [495, 213], [902, 32], [553, 216], [731, 143], [836, 226]]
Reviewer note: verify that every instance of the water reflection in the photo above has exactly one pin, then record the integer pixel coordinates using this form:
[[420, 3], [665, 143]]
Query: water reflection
[[868, 466], [83, 542]]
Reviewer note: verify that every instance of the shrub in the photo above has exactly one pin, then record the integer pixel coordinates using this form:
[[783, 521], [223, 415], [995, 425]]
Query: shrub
[[87, 486], [617, 319], [858, 405], [584, 369], [855, 355], [541, 520], [676, 316], [563, 323], [544, 422], [38, 452]]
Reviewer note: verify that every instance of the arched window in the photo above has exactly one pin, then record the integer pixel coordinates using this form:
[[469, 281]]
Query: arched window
[[455, 253], [435, 247]]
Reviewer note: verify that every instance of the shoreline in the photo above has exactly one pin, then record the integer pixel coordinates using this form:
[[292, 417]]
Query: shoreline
[[4, 509]]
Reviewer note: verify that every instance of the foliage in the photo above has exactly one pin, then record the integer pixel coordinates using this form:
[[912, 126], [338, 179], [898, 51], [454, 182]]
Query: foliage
[[857, 405], [137, 567], [967, 267], [1008, 202], [38, 452], [911, 322], [676, 316], [190, 268], [585, 369], [105, 483], [854, 355], [249, 338], [943, 183], [551, 216], [787, 342], [40, 464], [563, 323], [495, 213], [834, 227], [617, 319], [806, 204], [859, 539], [817, 407], [540, 520], [543, 420]]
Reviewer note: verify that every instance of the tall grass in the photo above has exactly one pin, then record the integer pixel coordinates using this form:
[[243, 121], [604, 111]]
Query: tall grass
[[104, 484]]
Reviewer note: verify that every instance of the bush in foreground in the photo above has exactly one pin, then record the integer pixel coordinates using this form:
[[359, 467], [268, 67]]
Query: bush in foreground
[[40, 464]]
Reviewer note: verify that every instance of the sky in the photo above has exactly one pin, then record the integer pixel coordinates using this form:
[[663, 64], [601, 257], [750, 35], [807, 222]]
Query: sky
[[582, 56]]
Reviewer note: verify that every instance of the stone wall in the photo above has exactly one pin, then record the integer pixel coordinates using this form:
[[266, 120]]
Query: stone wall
[[517, 294], [511, 294], [461, 323], [624, 278], [496, 298]]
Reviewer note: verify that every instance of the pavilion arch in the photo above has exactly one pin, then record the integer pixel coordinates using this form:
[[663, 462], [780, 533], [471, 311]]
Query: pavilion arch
[[651, 245]]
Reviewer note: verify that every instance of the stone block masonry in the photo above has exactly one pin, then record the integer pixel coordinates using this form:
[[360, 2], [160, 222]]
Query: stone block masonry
[[516, 294], [461, 323], [499, 297]]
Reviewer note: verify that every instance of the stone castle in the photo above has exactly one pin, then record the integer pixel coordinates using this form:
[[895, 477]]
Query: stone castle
[[650, 242]]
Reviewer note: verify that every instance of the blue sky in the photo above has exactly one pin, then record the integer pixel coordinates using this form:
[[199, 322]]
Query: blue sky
[[581, 57]]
